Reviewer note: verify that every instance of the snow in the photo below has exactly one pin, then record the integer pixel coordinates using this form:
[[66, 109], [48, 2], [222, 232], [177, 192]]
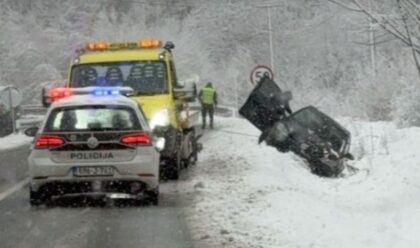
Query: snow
[[250, 195], [14, 140]]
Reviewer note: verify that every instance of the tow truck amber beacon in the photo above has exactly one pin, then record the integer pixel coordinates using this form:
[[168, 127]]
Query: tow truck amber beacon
[[149, 69]]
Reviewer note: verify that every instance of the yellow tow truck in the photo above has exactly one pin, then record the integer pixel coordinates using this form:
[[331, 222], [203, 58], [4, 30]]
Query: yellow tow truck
[[148, 68]]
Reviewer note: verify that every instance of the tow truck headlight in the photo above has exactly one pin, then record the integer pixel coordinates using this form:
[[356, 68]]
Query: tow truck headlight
[[159, 143], [161, 118]]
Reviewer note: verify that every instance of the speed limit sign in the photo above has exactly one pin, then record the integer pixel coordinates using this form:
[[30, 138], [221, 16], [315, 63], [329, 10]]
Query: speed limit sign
[[259, 72]]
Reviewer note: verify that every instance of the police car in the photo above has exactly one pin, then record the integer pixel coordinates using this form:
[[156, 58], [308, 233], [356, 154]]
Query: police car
[[93, 141]]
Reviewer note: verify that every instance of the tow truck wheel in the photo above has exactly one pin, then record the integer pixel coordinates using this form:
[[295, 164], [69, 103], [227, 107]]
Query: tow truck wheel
[[193, 148], [174, 170]]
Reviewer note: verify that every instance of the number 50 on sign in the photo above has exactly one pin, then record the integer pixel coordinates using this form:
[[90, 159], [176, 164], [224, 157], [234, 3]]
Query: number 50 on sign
[[259, 72]]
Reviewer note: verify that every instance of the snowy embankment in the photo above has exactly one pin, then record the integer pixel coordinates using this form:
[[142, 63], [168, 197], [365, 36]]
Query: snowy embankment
[[14, 140], [19, 139], [250, 195]]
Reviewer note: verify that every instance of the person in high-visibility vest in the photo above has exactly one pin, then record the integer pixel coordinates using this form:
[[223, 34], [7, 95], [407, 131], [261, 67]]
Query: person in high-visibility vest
[[208, 100]]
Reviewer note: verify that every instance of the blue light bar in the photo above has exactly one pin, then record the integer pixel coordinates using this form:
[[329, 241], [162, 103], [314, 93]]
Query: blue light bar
[[98, 93], [103, 91], [106, 92]]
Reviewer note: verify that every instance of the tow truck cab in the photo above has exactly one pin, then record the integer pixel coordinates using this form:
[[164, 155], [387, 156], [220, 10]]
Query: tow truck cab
[[149, 69]]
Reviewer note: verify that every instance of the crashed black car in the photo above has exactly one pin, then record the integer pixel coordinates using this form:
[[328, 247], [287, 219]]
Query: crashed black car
[[309, 133]]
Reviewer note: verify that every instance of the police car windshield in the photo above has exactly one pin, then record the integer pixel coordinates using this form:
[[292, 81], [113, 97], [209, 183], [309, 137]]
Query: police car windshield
[[144, 77], [92, 118]]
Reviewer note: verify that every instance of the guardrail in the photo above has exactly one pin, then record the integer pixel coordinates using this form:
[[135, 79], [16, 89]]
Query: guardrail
[[29, 121], [224, 111], [33, 109], [29, 116], [33, 115]]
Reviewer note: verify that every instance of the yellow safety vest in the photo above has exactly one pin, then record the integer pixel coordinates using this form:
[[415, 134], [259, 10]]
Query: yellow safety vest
[[208, 95]]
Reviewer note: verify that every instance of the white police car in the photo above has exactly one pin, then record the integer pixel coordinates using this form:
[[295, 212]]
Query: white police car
[[93, 141]]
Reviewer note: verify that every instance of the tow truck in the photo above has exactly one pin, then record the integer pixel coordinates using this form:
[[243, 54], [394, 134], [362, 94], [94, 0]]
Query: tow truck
[[147, 67]]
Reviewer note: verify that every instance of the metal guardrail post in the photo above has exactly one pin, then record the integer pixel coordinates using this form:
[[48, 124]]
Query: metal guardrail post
[[12, 110]]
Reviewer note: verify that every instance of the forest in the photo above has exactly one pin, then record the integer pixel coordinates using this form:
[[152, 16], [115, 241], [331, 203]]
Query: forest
[[355, 58]]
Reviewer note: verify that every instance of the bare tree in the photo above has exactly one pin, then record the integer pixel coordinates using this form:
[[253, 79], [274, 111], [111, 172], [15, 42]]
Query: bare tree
[[401, 20]]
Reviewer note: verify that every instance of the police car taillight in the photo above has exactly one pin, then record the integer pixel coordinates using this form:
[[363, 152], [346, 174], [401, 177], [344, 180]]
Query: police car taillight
[[48, 142], [137, 139]]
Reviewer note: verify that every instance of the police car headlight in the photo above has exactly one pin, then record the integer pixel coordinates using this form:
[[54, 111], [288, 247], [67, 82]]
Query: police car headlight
[[161, 118]]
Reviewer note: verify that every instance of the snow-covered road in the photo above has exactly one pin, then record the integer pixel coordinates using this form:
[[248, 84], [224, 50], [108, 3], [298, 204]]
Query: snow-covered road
[[253, 196]]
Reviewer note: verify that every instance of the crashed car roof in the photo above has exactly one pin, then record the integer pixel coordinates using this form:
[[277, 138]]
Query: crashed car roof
[[325, 119]]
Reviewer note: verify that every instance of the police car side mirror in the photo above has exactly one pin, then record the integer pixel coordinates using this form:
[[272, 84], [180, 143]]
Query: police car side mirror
[[31, 132]]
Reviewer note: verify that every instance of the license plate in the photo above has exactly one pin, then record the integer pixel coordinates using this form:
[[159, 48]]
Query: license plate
[[92, 171]]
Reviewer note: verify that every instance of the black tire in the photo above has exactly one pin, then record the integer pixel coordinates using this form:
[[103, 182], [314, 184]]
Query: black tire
[[36, 198], [193, 146], [325, 170], [153, 197], [175, 165], [194, 155]]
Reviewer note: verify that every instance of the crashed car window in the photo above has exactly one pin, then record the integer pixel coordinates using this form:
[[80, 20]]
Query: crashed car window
[[145, 77], [310, 119], [92, 118], [320, 125]]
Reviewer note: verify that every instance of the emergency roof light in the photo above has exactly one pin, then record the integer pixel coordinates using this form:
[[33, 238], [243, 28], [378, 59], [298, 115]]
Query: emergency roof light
[[150, 43], [56, 94], [144, 43], [97, 46]]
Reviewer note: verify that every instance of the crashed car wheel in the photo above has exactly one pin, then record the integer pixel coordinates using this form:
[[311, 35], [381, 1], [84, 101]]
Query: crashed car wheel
[[326, 170]]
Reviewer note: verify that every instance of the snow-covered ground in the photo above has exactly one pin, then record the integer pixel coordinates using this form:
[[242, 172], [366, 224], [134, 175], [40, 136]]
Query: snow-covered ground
[[14, 140], [250, 195]]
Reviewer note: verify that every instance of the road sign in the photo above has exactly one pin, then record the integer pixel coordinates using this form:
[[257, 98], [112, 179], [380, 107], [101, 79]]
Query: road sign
[[259, 72], [9, 95]]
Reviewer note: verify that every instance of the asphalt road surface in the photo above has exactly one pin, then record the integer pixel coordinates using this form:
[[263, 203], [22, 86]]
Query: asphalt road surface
[[77, 223], [13, 166]]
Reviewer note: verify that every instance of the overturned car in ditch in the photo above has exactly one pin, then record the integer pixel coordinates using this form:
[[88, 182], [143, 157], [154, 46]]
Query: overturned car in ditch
[[308, 132]]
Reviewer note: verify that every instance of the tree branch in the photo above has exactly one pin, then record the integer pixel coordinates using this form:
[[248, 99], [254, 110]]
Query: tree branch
[[409, 38], [345, 6], [394, 31], [375, 43]]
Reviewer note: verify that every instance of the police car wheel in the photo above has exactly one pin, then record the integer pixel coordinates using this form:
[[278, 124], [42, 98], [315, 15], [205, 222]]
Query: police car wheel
[[153, 197], [36, 198]]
